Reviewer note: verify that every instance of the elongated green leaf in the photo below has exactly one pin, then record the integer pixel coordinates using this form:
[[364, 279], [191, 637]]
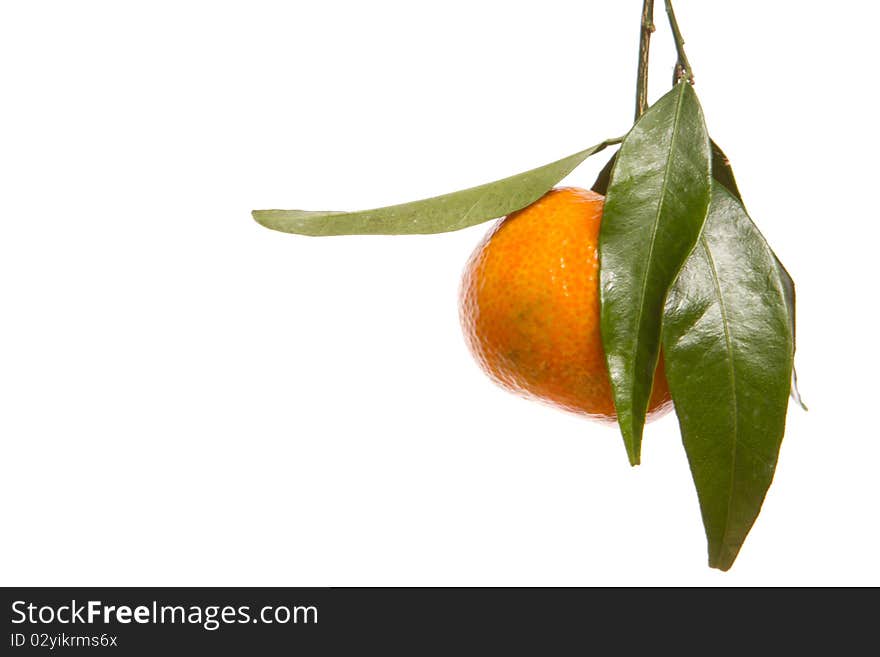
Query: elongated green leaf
[[727, 344], [439, 214], [654, 211], [722, 171]]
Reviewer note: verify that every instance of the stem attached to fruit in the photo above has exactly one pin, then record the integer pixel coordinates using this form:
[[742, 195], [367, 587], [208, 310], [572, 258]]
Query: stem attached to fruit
[[644, 48], [683, 68]]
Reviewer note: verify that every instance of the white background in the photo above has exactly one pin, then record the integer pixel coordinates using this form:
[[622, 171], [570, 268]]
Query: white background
[[187, 398]]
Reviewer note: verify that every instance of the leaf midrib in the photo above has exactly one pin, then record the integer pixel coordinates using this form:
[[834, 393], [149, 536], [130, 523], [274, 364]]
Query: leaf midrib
[[733, 406], [660, 205]]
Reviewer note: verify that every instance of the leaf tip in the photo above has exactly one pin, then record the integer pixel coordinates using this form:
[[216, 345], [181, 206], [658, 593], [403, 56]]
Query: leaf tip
[[633, 446], [724, 556], [260, 217], [273, 220], [631, 431], [635, 458]]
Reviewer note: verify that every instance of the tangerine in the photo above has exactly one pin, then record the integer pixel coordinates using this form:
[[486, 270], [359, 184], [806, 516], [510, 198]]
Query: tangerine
[[530, 306]]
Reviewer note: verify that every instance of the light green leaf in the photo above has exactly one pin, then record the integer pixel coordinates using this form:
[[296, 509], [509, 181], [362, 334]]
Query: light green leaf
[[439, 214]]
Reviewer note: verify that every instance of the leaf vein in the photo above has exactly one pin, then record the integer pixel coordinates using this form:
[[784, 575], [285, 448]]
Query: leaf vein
[[732, 373], [660, 206]]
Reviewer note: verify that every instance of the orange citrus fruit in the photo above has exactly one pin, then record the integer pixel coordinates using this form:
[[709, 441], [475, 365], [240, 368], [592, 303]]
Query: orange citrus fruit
[[530, 306]]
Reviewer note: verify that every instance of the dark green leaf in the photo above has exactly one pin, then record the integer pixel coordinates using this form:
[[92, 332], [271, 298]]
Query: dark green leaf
[[722, 172], [728, 346], [788, 289], [654, 210], [439, 214], [604, 177]]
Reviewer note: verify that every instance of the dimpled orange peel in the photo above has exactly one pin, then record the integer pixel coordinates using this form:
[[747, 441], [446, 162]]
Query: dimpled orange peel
[[530, 306]]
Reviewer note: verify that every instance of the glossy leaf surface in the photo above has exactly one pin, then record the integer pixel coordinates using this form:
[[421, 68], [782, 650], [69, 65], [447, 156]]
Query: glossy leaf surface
[[722, 172], [655, 208], [439, 214], [728, 347]]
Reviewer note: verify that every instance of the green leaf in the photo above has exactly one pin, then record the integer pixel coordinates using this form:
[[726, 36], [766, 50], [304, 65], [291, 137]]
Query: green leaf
[[788, 290], [655, 208], [439, 214], [728, 348], [604, 177], [722, 172]]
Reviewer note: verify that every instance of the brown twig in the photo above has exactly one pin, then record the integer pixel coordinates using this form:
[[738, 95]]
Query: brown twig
[[647, 29]]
